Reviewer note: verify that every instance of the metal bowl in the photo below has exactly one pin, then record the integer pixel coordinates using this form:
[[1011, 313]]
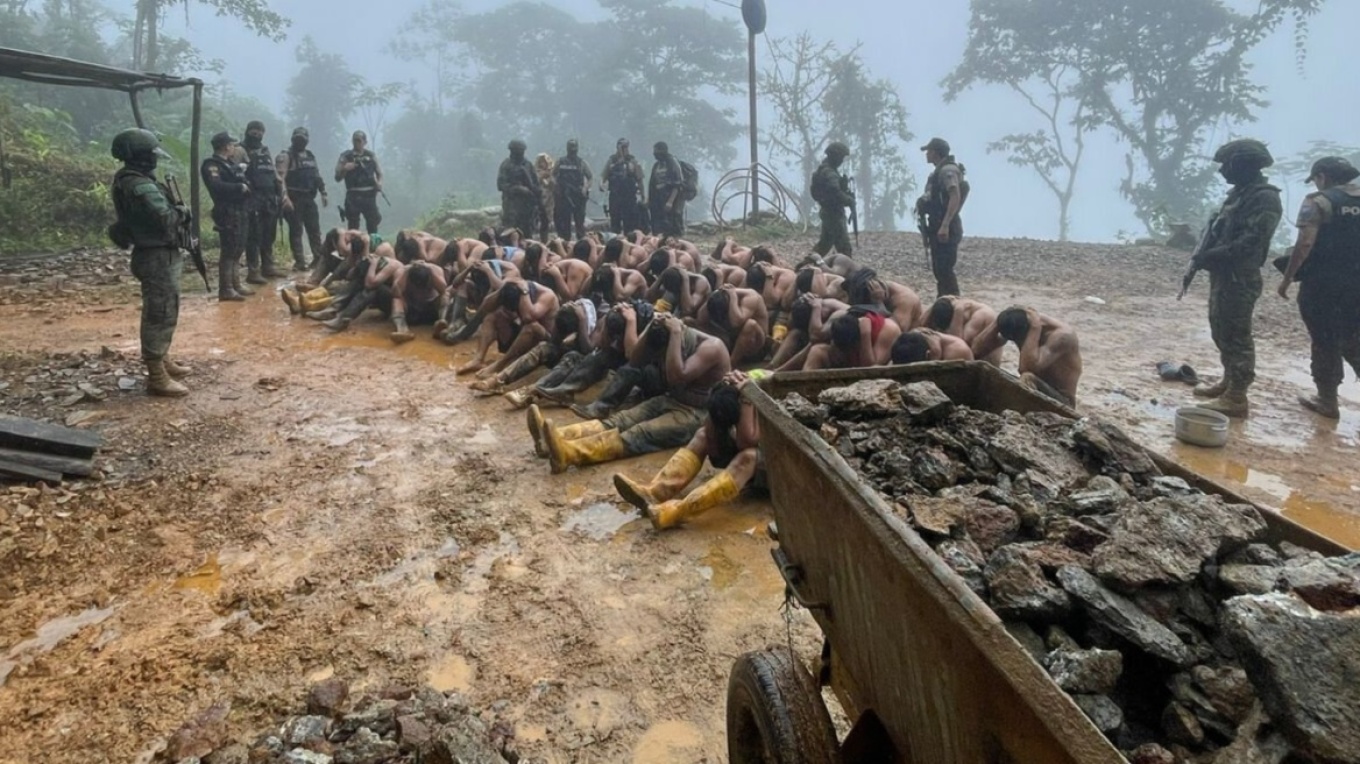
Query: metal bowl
[[1201, 427]]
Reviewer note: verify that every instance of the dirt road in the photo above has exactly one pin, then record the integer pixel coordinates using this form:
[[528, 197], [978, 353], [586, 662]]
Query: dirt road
[[336, 506]]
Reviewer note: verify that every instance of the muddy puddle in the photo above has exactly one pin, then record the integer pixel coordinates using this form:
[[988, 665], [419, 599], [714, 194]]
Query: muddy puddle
[[599, 521]]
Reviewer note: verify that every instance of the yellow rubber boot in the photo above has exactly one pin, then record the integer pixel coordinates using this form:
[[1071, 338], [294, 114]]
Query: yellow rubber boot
[[592, 449], [314, 300], [293, 300], [720, 490], [537, 426], [670, 481], [581, 429]]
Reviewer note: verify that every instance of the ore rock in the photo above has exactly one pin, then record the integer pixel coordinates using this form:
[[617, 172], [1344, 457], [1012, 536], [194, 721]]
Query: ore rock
[[925, 403], [1167, 541], [1332, 584], [870, 398], [1088, 672], [1249, 579], [1019, 590], [941, 517], [327, 697], [804, 411], [1103, 712], [1121, 616], [989, 525]]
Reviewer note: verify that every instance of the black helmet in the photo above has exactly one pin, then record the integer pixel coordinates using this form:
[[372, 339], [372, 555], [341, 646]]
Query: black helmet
[[133, 143], [1337, 170], [1248, 151], [518, 146], [838, 149]]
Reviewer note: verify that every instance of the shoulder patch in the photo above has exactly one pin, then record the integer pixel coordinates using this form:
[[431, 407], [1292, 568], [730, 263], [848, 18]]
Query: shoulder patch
[[145, 188]]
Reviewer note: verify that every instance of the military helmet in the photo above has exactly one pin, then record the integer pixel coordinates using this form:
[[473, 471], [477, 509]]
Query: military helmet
[[1246, 150], [838, 149], [518, 145], [134, 142]]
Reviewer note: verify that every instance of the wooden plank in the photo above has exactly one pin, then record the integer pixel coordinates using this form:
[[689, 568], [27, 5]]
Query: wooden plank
[[18, 471], [32, 435], [66, 465]]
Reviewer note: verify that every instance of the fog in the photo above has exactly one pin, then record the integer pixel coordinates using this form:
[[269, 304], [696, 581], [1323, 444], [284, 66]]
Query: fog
[[914, 44]]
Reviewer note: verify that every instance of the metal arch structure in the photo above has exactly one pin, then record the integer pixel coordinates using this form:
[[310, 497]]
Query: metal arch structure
[[774, 197], [45, 69]]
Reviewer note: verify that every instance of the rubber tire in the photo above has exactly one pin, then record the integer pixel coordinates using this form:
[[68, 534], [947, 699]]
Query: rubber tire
[[775, 713]]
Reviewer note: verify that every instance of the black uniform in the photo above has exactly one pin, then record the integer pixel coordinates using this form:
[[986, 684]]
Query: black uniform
[[302, 181], [624, 176], [667, 179], [573, 178], [1329, 286], [944, 255], [227, 186], [361, 188], [262, 209]]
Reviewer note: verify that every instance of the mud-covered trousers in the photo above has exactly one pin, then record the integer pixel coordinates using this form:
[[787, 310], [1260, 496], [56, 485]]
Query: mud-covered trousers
[[1232, 301], [158, 269], [262, 228], [1330, 308], [656, 424]]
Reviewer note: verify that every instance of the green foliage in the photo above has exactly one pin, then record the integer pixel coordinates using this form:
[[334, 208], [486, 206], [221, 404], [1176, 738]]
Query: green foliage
[[149, 48]]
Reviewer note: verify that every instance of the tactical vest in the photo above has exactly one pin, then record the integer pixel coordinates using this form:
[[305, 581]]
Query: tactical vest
[[937, 196], [825, 184], [137, 226], [363, 177], [260, 170], [303, 175], [569, 173], [1337, 251], [622, 179]]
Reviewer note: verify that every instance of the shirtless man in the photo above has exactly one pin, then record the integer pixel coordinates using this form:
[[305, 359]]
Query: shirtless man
[[920, 345], [864, 287], [621, 253], [963, 318], [815, 281], [379, 274], [417, 294], [857, 340], [809, 324], [568, 278], [611, 284], [472, 288], [719, 274], [679, 291], [776, 287], [524, 318], [573, 328], [413, 245], [729, 252], [1050, 359], [664, 258], [460, 253], [841, 265], [739, 317], [588, 251]]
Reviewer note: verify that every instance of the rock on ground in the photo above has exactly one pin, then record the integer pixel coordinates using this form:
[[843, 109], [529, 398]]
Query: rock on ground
[[1167, 541]]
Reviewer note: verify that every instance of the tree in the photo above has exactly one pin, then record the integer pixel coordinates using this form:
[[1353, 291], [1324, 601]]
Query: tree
[[146, 38], [422, 38], [321, 96]]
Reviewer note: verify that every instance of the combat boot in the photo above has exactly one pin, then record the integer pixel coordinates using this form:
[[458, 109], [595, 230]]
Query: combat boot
[[1324, 404], [1232, 403], [1215, 390], [721, 489], [671, 480], [300, 263], [158, 381], [592, 449], [236, 284], [226, 269], [269, 270], [253, 277], [175, 370]]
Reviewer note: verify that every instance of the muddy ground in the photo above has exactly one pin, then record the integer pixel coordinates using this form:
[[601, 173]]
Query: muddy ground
[[334, 506]]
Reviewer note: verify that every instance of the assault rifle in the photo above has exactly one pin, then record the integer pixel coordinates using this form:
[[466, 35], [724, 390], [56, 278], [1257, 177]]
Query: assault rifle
[[185, 237], [1192, 268], [923, 225]]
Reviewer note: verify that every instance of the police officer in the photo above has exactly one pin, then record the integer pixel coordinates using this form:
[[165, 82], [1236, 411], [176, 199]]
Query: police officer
[[518, 183], [623, 180], [831, 191], [1233, 251], [938, 213], [1326, 262], [572, 175], [262, 209], [301, 180], [229, 190], [150, 226], [664, 188], [363, 177]]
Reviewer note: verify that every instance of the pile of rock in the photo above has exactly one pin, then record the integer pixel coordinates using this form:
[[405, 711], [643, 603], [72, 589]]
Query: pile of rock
[[1169, 616], [52, 385], [395, 724]]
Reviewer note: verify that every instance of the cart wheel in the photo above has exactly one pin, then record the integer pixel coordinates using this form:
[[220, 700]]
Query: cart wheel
[[775, 713]]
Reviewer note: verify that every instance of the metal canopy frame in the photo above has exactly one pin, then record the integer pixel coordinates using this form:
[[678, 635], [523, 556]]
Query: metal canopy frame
[[44, 69]]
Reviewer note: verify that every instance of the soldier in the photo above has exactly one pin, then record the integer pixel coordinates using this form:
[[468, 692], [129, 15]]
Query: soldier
[[573, 177], [1326, 262], [664, 188], [831, 191], [148, 224], [938, 209], [229, 190], [262, 209], [1233, 251], [301, 180], [363, 177], [519, 187], [623, 180]]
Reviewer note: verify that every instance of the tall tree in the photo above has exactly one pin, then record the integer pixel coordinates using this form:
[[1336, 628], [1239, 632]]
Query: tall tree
[[424, 38], [146, 31], [321, 97]]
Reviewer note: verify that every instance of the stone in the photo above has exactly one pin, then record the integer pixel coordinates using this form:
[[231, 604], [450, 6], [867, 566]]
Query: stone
[[1102, 494], [377, 715], [1248, 579], [866, 398], [965, 559], [236, 753], [200, 735], [1151, 753], [1249, 746], [989, 525], [1103, 712], [925, 403], [1028, 639], [941, 517], [365, 747], [933, 469], [1254, 554], [1074, 534], [1168, 541], [1110, 449], [1017, 448], [1020, 591], [303, 756], [1087, 672], [1170, 487], [1181, 726], [1050, 556], [396, 692], [327, 697], [1228, 689], [413, 732], [1305, 666], [804, 411], [462, 742], [1330, 584], [1122, 617], [300, 729]]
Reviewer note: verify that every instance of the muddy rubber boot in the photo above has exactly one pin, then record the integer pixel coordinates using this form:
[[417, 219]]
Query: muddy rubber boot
[[269, 270], [236, 284], [403, 333], [592, 449], [253, 277], [537, 427], [291, 299], [158, 382], [337, 324], [520, 398], [300, 263], [517, 369], [1324, 404], [226, 268], [1232, 403], [719, 490], [175, 370], [670, 481], [1215, 390]]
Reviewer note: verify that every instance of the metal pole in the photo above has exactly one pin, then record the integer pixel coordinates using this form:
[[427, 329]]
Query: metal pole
[[193, 155], [755, 159], [136, 110]]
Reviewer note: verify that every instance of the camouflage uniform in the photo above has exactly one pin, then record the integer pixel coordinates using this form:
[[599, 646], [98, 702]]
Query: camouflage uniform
[[144, 210], [518, 183], [832, 193]]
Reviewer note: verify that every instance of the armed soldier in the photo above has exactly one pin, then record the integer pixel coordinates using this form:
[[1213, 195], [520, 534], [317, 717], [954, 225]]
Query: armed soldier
[[301, 181], [831, 191], [623, 180], [229, 190], [363, 177], [937, 214], [1326, 262], [518, 183], [573, 177], [1233, 251], [149, 225], [262, 209], [665, 189]]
